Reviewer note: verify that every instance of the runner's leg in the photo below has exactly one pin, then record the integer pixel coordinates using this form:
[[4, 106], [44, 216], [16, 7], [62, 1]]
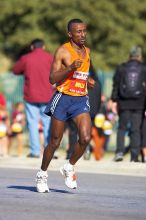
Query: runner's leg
[[83, 122], [57, 130]]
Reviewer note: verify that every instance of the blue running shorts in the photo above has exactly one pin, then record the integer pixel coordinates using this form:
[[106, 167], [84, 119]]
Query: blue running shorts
[[64, 107]]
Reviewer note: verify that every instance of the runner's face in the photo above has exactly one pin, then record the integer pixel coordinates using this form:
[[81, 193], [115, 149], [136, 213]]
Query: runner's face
[[78, 33]]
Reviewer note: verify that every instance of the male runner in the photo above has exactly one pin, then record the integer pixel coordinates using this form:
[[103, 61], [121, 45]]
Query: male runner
[[70, 74]]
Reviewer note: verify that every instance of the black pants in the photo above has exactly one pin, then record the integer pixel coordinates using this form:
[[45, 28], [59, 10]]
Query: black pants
[[130, 120], [73, 136]]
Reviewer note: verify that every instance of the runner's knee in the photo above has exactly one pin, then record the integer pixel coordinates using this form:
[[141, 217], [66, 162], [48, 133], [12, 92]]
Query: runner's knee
[[85, 140], [55, 142]]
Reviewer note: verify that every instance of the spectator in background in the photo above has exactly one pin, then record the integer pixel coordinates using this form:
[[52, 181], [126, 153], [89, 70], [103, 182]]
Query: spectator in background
[[17, 127], [94, 100], [72, 137], [110, 120], [2, 100], [128, 97], [4, 126], [94, 93], [143, 145], [35, 66]]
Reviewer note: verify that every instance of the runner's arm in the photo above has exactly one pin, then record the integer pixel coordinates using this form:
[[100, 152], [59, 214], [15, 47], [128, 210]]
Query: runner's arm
[[62, 66]]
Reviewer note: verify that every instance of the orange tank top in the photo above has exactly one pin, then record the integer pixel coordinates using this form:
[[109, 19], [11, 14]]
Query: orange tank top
[[76, 82]]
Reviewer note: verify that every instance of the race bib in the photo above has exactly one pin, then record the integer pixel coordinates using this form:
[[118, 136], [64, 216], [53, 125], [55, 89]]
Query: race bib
[[79, 82]]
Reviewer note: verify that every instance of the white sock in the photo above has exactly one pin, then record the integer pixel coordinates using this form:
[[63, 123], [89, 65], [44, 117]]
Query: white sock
[[42, 172], [68, 166], [145, 159]]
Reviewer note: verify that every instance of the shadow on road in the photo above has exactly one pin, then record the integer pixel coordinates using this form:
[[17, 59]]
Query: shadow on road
[[29, 188], [60, 191], [33, 189]]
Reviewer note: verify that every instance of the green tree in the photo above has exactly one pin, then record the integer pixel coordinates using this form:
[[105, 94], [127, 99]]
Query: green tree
[[113, 26]]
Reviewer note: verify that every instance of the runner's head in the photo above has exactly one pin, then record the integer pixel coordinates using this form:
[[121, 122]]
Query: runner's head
[[77, 31]]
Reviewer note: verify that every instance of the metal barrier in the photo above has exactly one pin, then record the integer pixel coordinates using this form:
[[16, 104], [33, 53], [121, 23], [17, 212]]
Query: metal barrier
[[12, 86], [106, 81]]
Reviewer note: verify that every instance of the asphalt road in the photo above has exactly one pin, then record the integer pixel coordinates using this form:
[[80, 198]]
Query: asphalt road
[[98, 197]]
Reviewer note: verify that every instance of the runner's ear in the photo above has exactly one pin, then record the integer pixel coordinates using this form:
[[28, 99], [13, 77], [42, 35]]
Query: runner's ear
[[69, 34]]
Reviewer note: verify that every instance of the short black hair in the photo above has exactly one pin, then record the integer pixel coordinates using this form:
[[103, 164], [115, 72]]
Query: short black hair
[[37, 43], [73, 21]]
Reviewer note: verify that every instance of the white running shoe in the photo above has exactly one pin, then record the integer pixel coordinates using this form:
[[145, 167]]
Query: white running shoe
[[41, 182], [70, 177]]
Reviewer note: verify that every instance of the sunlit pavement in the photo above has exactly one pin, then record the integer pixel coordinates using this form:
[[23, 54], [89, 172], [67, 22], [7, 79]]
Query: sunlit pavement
[[98, 196], [107, 190], [106, 165]]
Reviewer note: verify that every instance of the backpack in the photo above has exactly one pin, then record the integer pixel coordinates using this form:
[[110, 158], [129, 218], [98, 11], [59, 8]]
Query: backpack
[[132, 83]]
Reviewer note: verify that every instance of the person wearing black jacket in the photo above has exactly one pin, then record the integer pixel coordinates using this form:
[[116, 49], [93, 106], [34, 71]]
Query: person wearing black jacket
[[129, 107]]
